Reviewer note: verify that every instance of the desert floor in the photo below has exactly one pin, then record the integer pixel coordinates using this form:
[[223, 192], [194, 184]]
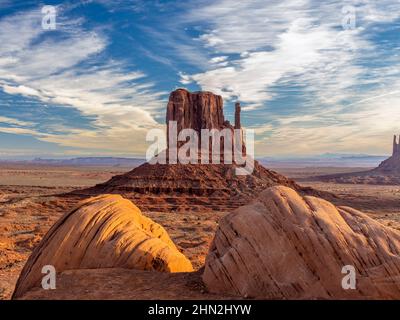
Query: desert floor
[[30, 203]]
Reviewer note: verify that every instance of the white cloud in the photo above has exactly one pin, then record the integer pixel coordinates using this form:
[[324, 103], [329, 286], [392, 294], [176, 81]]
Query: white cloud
[[17, 122], [21, 131], [220, 61], [23, 90], [278, 44], [300, 52]]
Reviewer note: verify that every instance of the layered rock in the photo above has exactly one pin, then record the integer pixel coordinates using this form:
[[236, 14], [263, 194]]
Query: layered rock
[[165, 187], [107, 231], [197, 110], [285, 246], [201, 110]]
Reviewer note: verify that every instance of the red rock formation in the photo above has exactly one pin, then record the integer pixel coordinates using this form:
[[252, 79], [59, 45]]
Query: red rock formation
[[197, 110], [202, 110], [238, 125], [217, 182], [285, 246]]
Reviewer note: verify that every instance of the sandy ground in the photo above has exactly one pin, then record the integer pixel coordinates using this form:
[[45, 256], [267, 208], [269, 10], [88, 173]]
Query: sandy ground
[[30, 204]]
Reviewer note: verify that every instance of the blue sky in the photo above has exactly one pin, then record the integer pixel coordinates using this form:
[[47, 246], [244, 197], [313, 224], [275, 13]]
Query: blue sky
[[310, 81]]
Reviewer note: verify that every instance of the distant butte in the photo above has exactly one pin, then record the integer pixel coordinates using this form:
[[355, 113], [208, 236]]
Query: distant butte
[[391, 165], [387, 173], [166, 187]]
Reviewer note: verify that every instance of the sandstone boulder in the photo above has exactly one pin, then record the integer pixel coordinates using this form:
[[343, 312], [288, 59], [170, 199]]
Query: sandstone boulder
[[285, 246], [107, 231]]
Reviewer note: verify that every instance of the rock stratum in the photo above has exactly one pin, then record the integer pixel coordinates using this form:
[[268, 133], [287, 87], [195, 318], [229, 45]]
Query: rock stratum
[[107, 231], [193, 179], [285, 246], [197, 110]]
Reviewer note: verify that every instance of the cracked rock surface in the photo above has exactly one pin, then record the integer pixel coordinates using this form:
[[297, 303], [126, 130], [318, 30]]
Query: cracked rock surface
[[287, 246]]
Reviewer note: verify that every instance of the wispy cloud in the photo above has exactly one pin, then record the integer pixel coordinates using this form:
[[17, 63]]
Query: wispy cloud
[[13, 121], [69, 70], [276, 42], [305, 82], [277, 45]]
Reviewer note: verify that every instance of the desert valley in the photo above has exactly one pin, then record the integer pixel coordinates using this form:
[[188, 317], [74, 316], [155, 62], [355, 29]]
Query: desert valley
[[196, 219], [31, 202]]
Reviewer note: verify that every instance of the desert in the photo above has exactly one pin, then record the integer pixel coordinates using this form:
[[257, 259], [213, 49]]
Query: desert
[[200, 230], [30, 207]]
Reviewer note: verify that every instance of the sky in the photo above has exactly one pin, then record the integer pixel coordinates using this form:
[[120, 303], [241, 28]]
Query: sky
[[313, 77]]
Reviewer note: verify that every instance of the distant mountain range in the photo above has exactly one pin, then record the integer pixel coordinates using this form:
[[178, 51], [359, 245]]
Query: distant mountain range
[[324, 160], [83, 161]]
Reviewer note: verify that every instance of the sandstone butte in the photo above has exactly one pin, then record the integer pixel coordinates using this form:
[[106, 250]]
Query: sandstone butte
[[285, 246], [199, 186], [392, 164], [107, 231]]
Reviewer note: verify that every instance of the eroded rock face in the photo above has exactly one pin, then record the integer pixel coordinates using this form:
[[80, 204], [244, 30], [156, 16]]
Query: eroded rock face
[[199, 110], [107, 231], [284, 246], [195, 110], [199, 186]]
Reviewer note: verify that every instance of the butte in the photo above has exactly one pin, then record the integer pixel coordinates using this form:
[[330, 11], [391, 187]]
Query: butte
[[194, 187]]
